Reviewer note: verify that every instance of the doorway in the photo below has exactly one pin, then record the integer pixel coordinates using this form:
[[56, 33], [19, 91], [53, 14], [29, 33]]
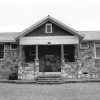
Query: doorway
[[49, 58]]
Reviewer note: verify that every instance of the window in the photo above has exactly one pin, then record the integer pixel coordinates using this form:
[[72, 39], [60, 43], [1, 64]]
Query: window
[[97, 50], [1, 51], [48, 28], [14, 46], [84, 45]]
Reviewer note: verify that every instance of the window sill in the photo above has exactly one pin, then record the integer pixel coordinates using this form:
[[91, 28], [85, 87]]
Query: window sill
[[2, 59]]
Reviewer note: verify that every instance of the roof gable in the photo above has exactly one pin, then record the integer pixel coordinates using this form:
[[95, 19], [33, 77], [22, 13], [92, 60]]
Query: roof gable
[[41, 31], [45, 20]]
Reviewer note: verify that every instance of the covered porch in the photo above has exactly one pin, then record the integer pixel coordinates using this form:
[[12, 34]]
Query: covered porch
[[48, 57]]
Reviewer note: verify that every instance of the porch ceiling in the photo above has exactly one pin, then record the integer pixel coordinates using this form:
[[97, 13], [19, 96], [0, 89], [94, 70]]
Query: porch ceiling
[[44, 40]]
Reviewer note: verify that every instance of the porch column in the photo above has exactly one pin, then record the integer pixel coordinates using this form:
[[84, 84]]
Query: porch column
[[62, 60], [20, 56], [36, 52], [20, 52], [36, 62], [78, 59], [19, 63], [62, 54]]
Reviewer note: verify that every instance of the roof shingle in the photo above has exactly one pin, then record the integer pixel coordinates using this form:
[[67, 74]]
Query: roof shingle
[[8, 36], [90, 35]]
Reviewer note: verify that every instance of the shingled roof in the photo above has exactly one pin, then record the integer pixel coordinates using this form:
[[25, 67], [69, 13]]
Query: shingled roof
[[8, 36], [90, 35], [13, 36]]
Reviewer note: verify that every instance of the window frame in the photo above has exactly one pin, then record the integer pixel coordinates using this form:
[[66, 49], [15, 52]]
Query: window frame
[[3, 52], [87, 47], [95, 45], [47, 26], [12, 48]]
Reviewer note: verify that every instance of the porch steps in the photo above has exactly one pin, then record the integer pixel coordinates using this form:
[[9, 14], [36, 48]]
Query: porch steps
[[49, 79]]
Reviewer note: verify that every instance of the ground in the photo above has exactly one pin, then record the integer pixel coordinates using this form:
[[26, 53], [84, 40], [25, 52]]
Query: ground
[[69, 91]]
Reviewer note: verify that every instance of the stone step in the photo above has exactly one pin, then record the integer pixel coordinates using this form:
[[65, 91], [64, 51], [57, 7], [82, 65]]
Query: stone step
[[49, 76], [45, 78], [49, 82], [49, 79]]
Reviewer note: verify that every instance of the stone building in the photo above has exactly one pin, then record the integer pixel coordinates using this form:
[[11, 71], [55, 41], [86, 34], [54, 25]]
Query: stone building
[[50, 47]]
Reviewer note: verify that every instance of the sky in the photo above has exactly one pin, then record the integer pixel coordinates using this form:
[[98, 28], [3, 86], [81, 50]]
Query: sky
[[81, 15]]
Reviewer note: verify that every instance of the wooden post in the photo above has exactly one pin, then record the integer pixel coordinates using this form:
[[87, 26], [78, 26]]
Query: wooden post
[[36, 52], [20, 52], [62, 52], [36, 62], [78, 51]]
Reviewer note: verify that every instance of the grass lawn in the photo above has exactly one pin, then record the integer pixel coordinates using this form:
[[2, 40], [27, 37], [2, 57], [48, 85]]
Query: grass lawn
[[69, 91]]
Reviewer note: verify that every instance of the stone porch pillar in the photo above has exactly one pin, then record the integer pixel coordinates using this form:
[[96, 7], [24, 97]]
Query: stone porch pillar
[[62, 59], [19, 63], [77, 58], [36, 62]]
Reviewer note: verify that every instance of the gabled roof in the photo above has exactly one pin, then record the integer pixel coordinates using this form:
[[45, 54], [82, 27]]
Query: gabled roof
[[12, 36], [43, 21], [90, 35], [8, 36]]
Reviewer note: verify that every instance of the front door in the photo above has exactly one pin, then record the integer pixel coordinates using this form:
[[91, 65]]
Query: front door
[[49, 58]]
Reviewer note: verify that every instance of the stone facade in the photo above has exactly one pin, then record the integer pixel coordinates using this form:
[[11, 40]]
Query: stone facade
[[70, 70], [9, 65], [27, 72], [86, 62], [85, 65]]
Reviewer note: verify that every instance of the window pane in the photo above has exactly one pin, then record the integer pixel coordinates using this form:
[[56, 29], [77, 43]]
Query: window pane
[[48, 28], [84, 44], [14, 46], [1, 55], [97, 51], [1, 51]]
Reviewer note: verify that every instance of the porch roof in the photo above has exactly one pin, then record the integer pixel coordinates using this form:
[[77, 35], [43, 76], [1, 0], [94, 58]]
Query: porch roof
[[44, 40]]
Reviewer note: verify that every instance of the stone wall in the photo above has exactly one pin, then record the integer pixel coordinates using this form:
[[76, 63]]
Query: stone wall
[[10, 64], [86, 65], [86, 62], [83, 67], [69, 70], [27, 71]]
